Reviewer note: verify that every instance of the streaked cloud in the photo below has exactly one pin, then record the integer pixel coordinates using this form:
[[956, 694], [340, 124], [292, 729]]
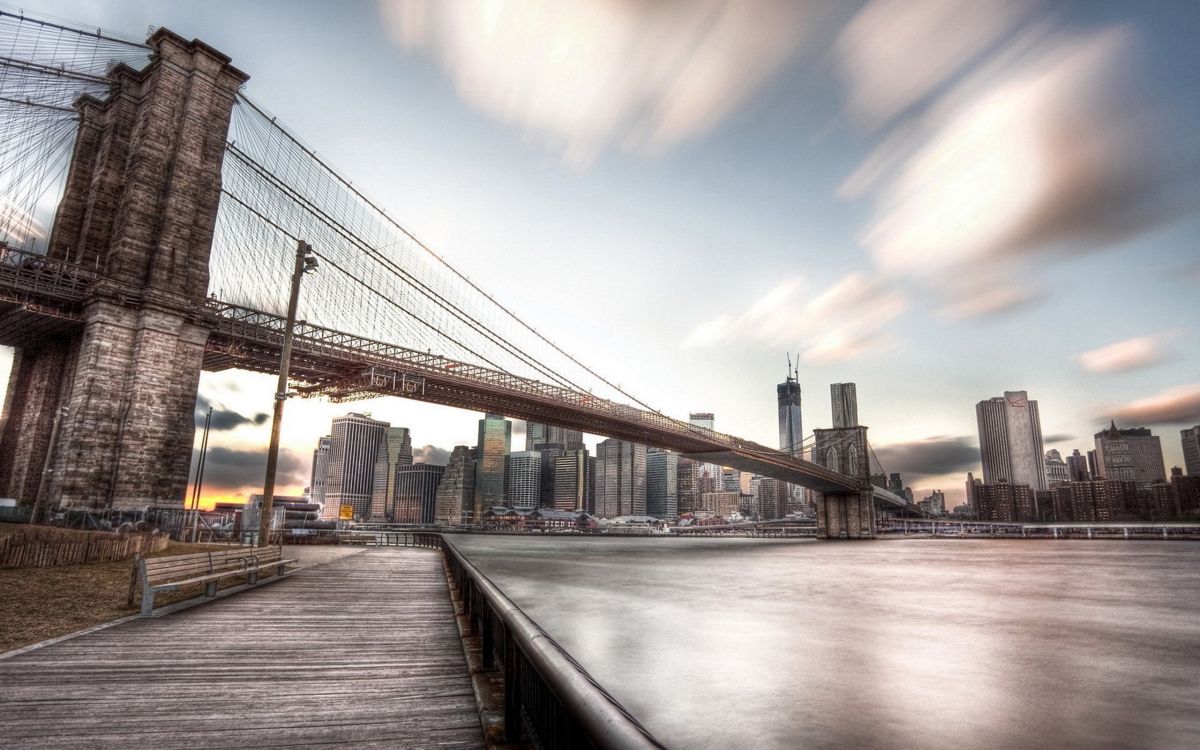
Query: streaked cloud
[[224, 419], [1058, 437], [587, 75], [1061, 151], [974, 300], [233, 470], [845, 321], [1178, 405], [894, 52], [935, 456], [1123, 356], [1016, 139], [18, 226]]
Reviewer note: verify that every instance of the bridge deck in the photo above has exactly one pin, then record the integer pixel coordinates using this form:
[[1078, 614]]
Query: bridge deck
[[362, 650]]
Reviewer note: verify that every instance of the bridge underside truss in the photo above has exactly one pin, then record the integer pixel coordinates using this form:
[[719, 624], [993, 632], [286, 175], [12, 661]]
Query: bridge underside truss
[[346, 367]]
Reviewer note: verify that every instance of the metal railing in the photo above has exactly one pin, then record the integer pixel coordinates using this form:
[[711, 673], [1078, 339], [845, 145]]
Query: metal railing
[[548, 697], [400, 538]]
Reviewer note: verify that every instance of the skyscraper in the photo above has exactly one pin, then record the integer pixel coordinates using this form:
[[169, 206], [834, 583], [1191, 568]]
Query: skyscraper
[[524, 479], [688, 484], [350, 476], [1191, 450], [549, 453], [1077, 467], [416, 492], [1010, 440], [621, 471], [537, 433], [972, 492], [572, 477], [791, 427], [662, 484], [772, 498], [395, 450], [455, 499], [705, 421], [495, 440], [1056, 468], [1133, 455], [320, 470], [844, 402]]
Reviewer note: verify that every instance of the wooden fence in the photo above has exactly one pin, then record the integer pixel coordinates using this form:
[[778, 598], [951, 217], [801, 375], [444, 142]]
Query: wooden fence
[[44, 552]]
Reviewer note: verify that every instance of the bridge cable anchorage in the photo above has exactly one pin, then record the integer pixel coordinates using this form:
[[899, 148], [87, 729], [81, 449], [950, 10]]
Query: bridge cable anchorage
[[328, 169]]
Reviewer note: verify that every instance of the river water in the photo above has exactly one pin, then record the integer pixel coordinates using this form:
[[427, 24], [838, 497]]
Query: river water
[[744, 643]]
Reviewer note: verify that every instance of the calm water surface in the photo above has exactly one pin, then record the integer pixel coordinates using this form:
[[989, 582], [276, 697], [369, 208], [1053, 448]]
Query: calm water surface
[[913, 643]]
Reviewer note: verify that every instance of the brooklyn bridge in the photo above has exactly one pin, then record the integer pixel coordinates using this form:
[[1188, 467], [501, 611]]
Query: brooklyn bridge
[[150, 212]]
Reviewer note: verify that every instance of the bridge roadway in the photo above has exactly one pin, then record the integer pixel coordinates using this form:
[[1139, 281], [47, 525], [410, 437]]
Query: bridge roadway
[[362, 650], [42, 296]]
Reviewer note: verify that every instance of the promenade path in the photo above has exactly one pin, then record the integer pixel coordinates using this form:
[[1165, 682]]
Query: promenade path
[[363, 649]]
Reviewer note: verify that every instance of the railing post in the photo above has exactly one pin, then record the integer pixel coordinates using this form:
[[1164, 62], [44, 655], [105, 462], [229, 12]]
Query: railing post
[[489, 639], [512, 693]]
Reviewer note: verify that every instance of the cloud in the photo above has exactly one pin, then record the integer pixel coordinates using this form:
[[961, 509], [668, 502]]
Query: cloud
[[1188, 272], [230, 468], [1131, 354], [894, 52], [18, 226], [1058, 152], [585, 75], [1057, 437], [983, 301], [931, 457], [1038, 141], [431, 454], [1178, 405], [846, 321], [224, 419]]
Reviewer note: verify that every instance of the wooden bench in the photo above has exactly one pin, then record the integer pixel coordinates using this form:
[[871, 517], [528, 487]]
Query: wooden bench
[[172, 573]]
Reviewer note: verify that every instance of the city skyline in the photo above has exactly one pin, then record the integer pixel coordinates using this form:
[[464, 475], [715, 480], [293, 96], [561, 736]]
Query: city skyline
[[684, 338]]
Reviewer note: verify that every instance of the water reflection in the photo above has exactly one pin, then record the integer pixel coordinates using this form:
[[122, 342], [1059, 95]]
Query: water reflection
[[923, 643]]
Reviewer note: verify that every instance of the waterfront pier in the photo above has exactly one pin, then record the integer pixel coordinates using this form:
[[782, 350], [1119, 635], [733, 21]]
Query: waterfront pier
[[363, 650]]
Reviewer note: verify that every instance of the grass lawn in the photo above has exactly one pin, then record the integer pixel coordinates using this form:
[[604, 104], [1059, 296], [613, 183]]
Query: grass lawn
[[41, 603]]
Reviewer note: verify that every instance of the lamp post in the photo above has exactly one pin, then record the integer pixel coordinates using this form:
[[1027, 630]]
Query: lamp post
[[305, 262], [199, 478]]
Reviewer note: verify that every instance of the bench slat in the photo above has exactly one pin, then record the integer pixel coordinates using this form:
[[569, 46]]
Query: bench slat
[[170, 573], [223, 574]]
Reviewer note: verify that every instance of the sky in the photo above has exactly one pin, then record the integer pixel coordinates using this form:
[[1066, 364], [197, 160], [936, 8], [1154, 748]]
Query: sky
[[938, 201]]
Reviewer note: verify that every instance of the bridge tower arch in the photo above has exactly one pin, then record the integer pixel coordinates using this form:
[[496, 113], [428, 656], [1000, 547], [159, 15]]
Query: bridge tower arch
[[140, 206], [845, 515]]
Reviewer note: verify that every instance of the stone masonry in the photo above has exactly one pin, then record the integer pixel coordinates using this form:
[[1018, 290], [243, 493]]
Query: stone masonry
[[845, 515], [140, 205]]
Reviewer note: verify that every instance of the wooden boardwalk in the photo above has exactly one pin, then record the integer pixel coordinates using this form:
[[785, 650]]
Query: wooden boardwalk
[[361, 650]]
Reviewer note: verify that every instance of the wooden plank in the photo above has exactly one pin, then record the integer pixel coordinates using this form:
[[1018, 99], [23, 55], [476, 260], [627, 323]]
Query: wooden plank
[[361, 650]]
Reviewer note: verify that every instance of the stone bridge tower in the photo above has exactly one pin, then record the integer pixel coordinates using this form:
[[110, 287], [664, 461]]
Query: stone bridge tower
[[845, 515], [140, 205]]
